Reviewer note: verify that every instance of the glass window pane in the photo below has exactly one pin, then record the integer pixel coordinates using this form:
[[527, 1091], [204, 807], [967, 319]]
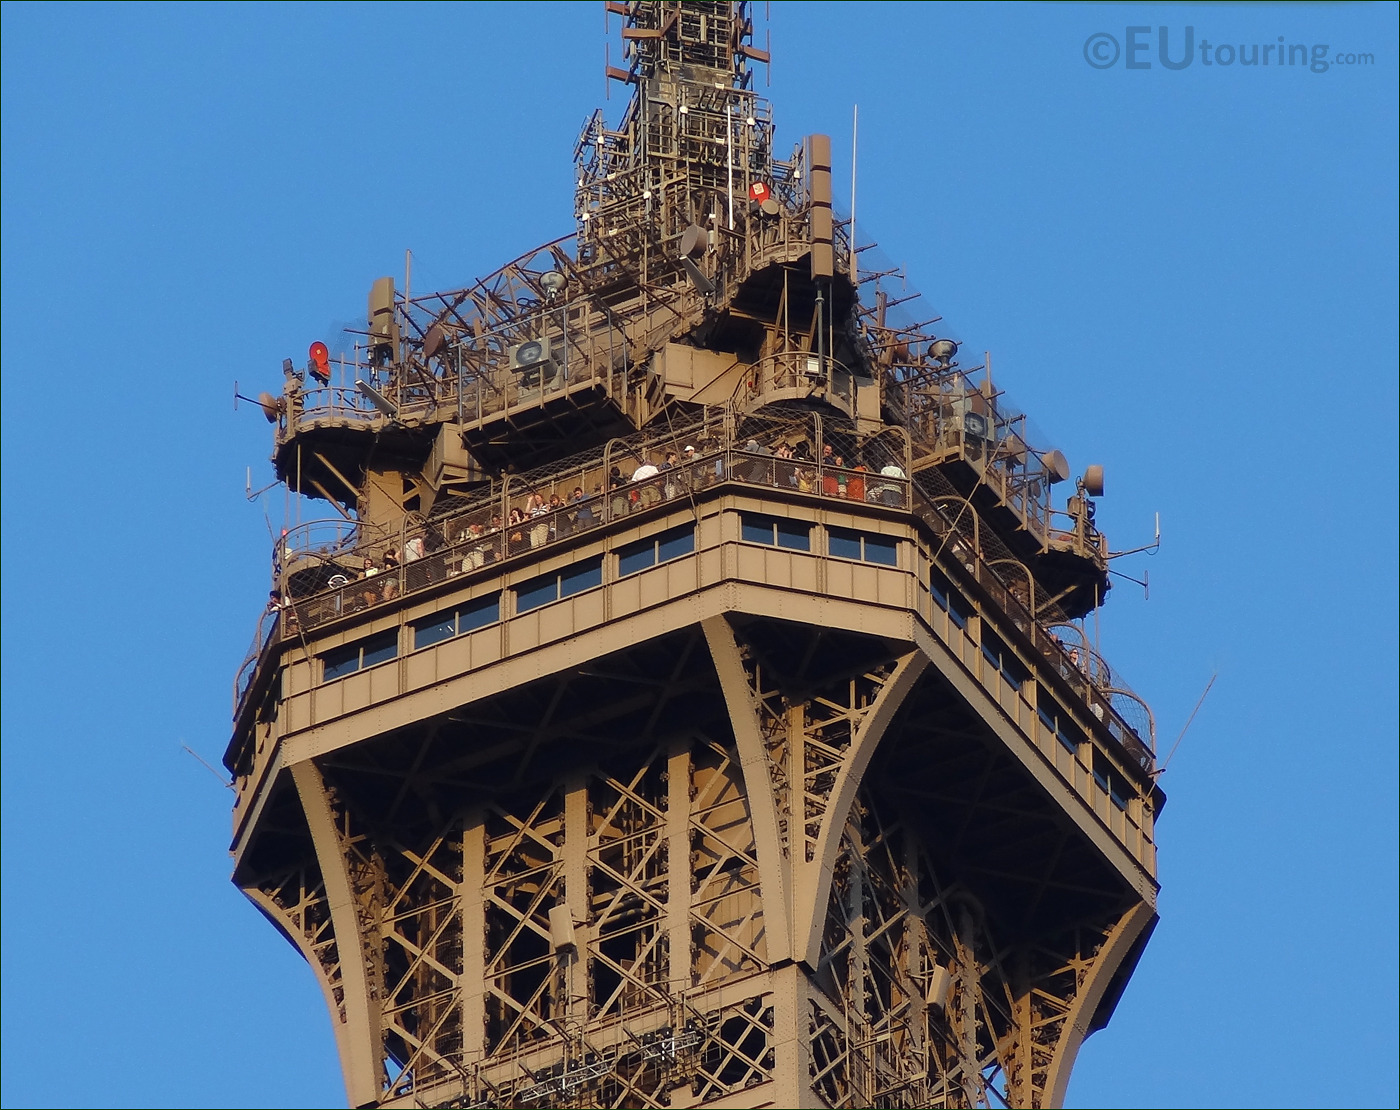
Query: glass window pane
[[989, 651], [843, 543], [479, 613], [757, 529], [581, 576], [958, 608], [341, 662], [1067, 740], [381, 648], [537, 592], [674, 544], [881, 549], [635, 557], [1069, 734], [434, 631], [795, 535], [940, 587]]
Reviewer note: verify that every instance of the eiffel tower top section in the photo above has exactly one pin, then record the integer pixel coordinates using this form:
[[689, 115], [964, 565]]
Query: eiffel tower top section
[[707, 285]]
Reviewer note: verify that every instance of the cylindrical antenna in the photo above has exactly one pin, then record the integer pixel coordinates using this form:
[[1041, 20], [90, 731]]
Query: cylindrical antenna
[[855, 120], [729, 152]]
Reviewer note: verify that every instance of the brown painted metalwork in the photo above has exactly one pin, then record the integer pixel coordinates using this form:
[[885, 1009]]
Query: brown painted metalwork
[[688, 703]]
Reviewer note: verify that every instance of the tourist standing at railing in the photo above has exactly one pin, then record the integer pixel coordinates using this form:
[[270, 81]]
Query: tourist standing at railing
[[806, 472], [538, 509], [758, 469], [784, 474], [617, 502], [644, 495], [855, 483], [668, 490], [476, 554], [561, 523], [516, 540], [583, 515], [833, 476], [369, 595], [892, 493]]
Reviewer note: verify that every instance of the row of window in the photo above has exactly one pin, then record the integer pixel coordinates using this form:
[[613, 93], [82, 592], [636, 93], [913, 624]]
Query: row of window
[[756, 528], [483, 611], [796, 535], [996, 652]]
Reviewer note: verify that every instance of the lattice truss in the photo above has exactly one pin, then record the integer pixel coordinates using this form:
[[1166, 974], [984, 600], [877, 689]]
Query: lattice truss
[[920, 1005], [962, 921], [807, 743], [601, 843]]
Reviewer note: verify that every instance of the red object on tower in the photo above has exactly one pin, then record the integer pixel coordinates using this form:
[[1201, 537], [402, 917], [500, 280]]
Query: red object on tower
[[759, 192], [320, 364]]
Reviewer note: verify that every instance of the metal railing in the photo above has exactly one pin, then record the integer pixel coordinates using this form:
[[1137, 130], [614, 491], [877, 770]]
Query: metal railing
[[326, 570]]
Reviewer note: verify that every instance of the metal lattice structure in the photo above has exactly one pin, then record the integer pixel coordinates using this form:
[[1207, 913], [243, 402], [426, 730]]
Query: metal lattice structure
[[689, 703]]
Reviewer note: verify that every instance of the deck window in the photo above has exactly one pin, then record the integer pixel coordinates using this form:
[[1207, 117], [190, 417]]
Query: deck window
[[846, 543], [466, 618], [776, 531], [341, 661], [1112, 780], [1065, 730], [995, 651], [571, 580], [949, 599], [668, 545]]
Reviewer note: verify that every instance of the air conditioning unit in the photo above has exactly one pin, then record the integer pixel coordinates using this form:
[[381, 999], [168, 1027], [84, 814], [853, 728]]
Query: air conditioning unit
[[532, 353]]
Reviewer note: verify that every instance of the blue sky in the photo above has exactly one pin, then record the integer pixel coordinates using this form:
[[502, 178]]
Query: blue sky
[[1186, 275]]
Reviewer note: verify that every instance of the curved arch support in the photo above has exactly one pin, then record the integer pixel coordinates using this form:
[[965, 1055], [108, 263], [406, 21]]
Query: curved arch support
[[814, 886], [360, 1041], [1115, 950], [274, 913], [758, 785]]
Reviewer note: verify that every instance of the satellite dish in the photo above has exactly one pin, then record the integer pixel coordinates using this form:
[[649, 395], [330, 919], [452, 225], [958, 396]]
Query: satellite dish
[[529, 352], [942, 351], [553, 281], [434, 341], [1093, 480], [271, 406], [1056, 466], [694, 241], [769, 207]]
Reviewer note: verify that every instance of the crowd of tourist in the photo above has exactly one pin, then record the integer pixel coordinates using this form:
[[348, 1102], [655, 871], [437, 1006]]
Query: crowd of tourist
[[481, 537]]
